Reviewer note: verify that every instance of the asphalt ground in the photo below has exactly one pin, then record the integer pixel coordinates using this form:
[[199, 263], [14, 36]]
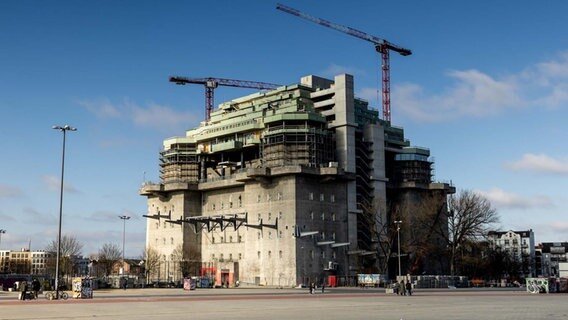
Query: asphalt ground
[[272, 303]]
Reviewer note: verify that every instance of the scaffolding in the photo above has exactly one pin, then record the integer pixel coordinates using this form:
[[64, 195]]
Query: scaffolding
[[179, 164], [296, 144]]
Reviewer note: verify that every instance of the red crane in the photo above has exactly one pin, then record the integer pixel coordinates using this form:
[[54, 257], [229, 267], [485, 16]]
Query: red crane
[[382, 46], [212, 83]]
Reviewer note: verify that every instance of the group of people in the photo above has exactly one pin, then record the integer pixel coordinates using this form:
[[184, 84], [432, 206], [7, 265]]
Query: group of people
[[35, 287], [404, 289]]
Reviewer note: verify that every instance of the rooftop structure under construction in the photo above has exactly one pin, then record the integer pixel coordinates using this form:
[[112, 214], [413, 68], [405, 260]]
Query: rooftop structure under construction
[[286, 187]]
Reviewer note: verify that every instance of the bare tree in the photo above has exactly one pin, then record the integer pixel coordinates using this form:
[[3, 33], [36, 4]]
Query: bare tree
[[188, 261], [151, 259], [470, 217], [70, 249], [109, 254]]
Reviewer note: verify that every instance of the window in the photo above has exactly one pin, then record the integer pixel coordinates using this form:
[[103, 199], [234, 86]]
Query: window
[[258, 234], [269, 254], [333, 217], [163, 240], [279, 234], [171, 240], [322, 216], [333, 236], [258, 254], [279, 196], [230, 256], [212, 239], [311, 195], [322, 197], [323, 235], [312, 215], [332, 198], [240, 256], [222, 239], [269, 216], [280, 254], [258, 198], [280, 215], [270, 235], [231, 239], [240, 238]]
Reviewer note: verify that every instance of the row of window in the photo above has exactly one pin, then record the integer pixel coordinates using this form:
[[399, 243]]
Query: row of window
[[321, 197], [164, 241], [269, 254]]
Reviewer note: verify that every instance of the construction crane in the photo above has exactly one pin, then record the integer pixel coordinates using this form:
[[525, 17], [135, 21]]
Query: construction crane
[[382, 46], [212, 83]]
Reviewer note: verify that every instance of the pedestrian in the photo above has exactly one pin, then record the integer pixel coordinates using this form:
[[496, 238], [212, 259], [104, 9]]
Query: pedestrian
[[36, 286], [322, 287], [408, 288], [23, 290], [401, 288], [311, 288]]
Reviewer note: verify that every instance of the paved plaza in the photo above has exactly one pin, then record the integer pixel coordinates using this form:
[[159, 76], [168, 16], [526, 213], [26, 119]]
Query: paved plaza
[[266, 303]]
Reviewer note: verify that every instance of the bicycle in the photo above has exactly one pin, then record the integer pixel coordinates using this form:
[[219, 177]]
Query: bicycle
[[50, 295]]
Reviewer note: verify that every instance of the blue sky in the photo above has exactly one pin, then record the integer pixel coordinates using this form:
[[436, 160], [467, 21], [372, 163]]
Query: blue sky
[[486, 89]]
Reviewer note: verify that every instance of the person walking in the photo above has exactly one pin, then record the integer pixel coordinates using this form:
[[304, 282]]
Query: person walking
[[36, 286], [408, 288], [322, 287], [23, 290], [401, 288]]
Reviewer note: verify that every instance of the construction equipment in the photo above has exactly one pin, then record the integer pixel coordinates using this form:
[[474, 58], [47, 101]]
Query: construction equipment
[[212, 83], [382, 46]]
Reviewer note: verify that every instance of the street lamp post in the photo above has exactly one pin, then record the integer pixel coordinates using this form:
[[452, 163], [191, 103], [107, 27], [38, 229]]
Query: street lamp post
[[124, 218], [64, 130], [2, 231], [398, 222]]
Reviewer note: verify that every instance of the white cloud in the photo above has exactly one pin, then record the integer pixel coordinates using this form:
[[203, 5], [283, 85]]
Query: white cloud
[[502, 199], [559, 226], [54, 184], [370, 94], [335, 69], [101, 109], [151, 116], [539, 163], [32, 216], [7, 191], [478, 94]]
